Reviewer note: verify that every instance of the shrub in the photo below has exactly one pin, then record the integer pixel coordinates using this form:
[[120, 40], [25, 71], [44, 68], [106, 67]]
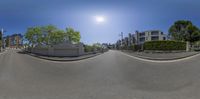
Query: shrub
[[164, 45], [135, 47], [92, 48], [88, 48]]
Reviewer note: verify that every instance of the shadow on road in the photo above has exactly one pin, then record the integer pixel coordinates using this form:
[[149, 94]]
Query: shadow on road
[[22, 52]]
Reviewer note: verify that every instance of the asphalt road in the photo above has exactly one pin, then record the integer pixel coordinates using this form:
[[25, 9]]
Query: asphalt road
[[111, 75]]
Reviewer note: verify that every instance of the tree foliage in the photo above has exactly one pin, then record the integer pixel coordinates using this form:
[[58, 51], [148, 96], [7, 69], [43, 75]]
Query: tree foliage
[[73, 35], [7, 42], [48, 32], [92, 48], [50, 35], [34, 36], [56, 37], [184, 31]]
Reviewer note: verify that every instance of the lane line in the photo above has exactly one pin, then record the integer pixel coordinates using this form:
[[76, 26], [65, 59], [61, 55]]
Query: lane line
[[162, 61]]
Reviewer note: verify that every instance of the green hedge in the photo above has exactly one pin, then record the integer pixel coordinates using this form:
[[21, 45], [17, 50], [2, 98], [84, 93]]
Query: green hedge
[[0, 43], [135, 47], [88, 48], [164, 45]]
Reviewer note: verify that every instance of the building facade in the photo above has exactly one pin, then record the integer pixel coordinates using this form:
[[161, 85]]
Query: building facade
[[14, 41], [153, 35]]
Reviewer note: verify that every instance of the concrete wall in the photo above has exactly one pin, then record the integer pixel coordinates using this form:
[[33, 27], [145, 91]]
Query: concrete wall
[[61, 50]]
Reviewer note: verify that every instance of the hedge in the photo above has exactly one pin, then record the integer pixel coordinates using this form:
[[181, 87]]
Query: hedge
[[88, 48], [135, 47], [164, 45]]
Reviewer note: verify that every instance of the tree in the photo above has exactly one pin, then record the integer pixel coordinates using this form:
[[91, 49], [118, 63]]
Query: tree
[[7, 41], [193, 34], [73, 36], [34, 36], [183, 30], [50, 35], [48, 31], [97, 46], [56, 37]]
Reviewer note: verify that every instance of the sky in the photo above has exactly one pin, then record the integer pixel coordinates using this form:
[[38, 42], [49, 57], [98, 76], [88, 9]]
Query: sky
[[125, 16]]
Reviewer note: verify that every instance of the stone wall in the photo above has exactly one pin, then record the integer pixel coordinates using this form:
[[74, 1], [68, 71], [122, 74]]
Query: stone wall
[[61, 50]]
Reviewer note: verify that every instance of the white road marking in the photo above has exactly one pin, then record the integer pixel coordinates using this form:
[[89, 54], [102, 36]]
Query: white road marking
[[158, 61]]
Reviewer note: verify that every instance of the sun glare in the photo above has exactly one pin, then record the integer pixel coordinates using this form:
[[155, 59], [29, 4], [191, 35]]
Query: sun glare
[[99, 19]]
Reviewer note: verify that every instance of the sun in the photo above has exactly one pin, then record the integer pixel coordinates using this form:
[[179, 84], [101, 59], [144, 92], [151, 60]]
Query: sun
[[100, 19]]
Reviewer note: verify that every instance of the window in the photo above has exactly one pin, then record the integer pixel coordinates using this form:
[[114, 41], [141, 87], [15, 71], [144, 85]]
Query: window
[[154, 33], [155, 38], [142, 34], [164, 38], [142, 39]]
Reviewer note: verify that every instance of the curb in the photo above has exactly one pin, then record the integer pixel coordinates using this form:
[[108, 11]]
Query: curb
[[64, 60], [163, 59]]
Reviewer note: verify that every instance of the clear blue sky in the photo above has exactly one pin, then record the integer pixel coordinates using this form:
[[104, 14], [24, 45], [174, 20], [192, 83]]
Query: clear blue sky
[[120, 15]]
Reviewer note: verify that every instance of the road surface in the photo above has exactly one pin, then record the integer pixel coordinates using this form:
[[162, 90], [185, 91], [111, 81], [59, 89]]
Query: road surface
[[111, 75]]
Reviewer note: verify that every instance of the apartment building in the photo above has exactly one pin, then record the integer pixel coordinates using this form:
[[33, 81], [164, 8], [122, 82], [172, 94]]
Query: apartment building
[[14, 41], [152, 35]]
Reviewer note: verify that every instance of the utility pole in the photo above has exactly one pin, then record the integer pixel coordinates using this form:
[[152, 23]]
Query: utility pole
[[122, 37], [2, 41]]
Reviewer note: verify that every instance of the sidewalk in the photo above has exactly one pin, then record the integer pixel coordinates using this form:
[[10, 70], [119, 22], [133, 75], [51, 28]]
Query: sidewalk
[[1, 52], [64, 58], [161, 56]]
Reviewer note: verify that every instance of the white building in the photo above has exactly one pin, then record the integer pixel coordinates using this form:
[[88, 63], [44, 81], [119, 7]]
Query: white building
[[152, 35]]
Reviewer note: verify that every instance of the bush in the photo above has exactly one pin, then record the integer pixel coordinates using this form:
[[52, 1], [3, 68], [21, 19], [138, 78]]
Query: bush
[[88, 48], [135, 47], [164, 45], [0, 43], [92, 48]]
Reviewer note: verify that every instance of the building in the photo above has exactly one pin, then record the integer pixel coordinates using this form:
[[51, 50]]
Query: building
[[131, 39], [118, 44], [139, 38], [14, 41], [153, 35], [126, 41]]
